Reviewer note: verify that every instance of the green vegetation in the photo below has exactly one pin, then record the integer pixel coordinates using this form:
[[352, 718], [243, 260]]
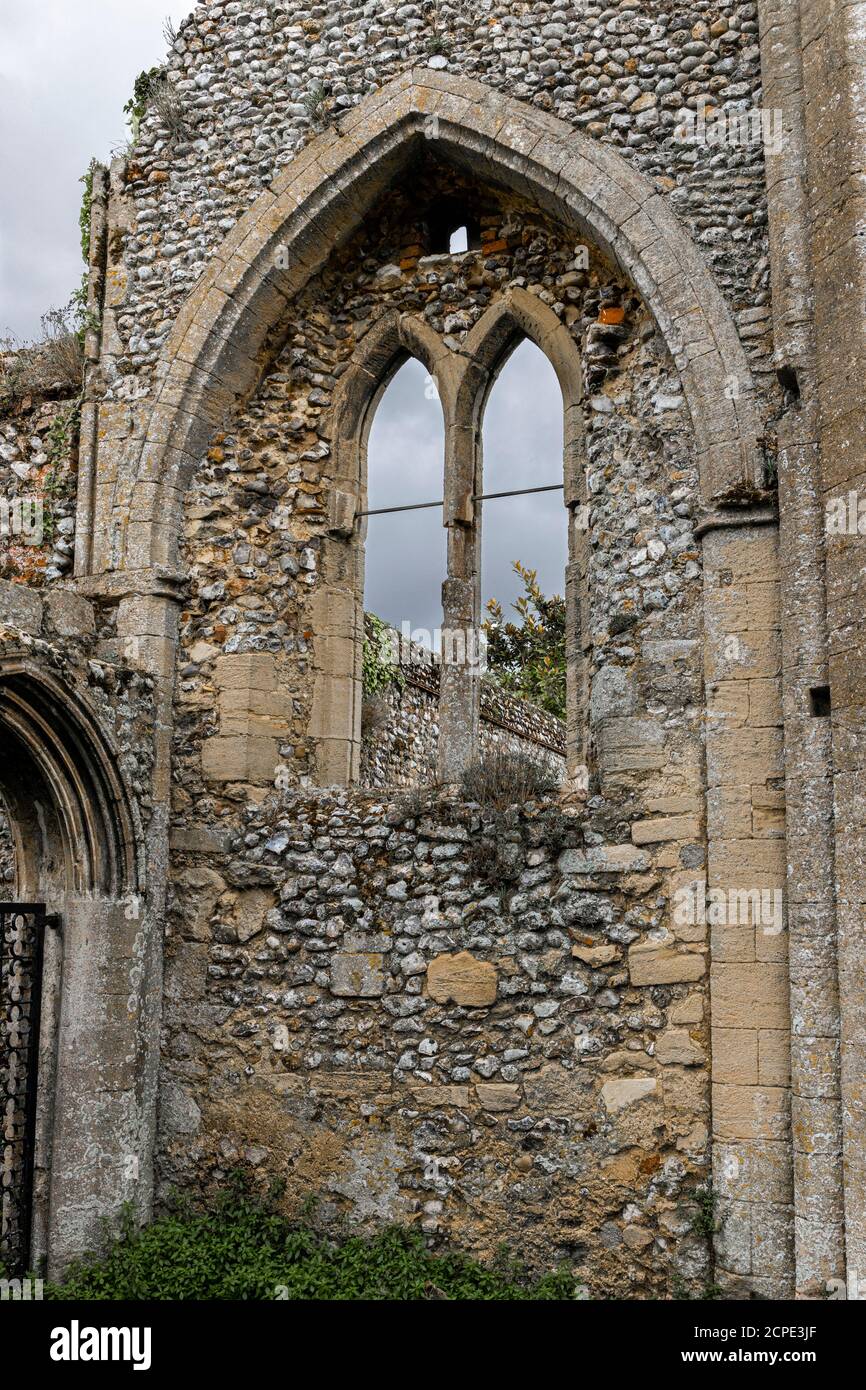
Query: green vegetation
[[315, 101], [528, 658], [145, 85], [502, 778], [242, 1249], [705, 1222], [84, 213], [380, 669]]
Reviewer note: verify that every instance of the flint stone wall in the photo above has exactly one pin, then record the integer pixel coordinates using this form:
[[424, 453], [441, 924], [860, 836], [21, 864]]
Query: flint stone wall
[[429, 1012], [401, 730]]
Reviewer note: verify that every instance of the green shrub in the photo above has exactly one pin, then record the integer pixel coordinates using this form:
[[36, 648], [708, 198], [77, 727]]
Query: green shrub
[[243, 1249]]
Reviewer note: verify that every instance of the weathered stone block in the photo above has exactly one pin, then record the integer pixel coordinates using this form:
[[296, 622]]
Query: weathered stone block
[[654, 963], [68, 614], [249, 912], [750, 995], [554, 1090], [617, 1095], [676, 1047], [432, 1097], [462, 979], [498, 1097], [688, 1010], [20, 608], [750, 1112], [595, 955], [735, 1056], [239, 759], [357, 976]]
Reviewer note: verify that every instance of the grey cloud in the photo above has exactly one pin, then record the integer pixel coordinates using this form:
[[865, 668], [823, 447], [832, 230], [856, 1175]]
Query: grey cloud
[[67, 67], [405, 553]]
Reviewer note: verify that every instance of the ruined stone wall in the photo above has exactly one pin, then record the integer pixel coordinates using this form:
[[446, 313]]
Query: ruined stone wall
[[401, 732], [314, 921], [7, 856], [56, 631], [257, 513], [550, 1086], [38, 459], [437, 1013], [254, 83]]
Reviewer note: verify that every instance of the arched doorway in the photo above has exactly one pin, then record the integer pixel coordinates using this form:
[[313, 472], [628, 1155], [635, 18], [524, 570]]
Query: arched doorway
[[72, 864]]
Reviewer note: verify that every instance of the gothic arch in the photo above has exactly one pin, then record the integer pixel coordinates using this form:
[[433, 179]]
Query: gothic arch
[[213, 357], [74, 827], [335, 718], [519, 315], [77, 844], [382, 351]]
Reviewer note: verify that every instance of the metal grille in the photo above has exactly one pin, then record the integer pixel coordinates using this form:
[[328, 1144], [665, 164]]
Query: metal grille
[[22, 931]]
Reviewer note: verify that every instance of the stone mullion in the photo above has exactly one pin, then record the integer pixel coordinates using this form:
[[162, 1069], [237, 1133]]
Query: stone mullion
[[459, 688], [578, 640]]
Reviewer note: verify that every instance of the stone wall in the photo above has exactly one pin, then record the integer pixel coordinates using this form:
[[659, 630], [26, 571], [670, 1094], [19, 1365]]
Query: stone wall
[[254, 83], [550, 1086], [400, 728], [272, 1059], [257, 514], [38, 459], [7, 857], [438, 1013]]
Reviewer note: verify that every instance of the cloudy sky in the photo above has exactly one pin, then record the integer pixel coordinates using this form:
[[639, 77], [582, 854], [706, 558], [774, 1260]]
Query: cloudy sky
[[67, 68], [405, 557]]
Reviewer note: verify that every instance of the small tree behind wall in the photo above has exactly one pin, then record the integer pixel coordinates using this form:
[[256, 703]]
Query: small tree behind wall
[[528, 657]]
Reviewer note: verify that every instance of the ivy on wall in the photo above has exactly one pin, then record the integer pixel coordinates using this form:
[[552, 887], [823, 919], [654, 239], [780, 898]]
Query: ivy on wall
[[380, 670]]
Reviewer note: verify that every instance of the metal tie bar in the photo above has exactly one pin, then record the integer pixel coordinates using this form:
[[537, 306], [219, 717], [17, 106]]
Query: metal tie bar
[[478, 497]]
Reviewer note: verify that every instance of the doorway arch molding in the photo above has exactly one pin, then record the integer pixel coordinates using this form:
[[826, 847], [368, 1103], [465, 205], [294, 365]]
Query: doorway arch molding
[[216, 352], [76, 828]]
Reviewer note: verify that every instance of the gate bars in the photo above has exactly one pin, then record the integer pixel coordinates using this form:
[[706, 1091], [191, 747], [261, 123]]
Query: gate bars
[[22, 937]]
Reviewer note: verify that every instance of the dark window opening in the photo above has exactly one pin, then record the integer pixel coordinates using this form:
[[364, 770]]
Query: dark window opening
[[450, 222], [787, 378], [819, 702]]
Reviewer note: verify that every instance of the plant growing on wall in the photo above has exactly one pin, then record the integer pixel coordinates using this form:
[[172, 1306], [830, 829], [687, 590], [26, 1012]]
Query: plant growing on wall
[[380, 670], [153, 90], [528, 657], [135, 108], [315, 101], [84, 212]]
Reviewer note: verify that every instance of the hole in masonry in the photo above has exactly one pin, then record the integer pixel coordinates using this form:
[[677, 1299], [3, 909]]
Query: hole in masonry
[[451, 229], [787, 378], [819, 702]]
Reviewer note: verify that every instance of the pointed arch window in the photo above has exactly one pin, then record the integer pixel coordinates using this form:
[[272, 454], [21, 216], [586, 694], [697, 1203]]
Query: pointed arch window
[[404, 552], [524, 535], [462, 383]]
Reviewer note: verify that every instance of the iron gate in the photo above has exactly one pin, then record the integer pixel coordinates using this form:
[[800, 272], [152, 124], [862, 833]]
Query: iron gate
[[22, 934]]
